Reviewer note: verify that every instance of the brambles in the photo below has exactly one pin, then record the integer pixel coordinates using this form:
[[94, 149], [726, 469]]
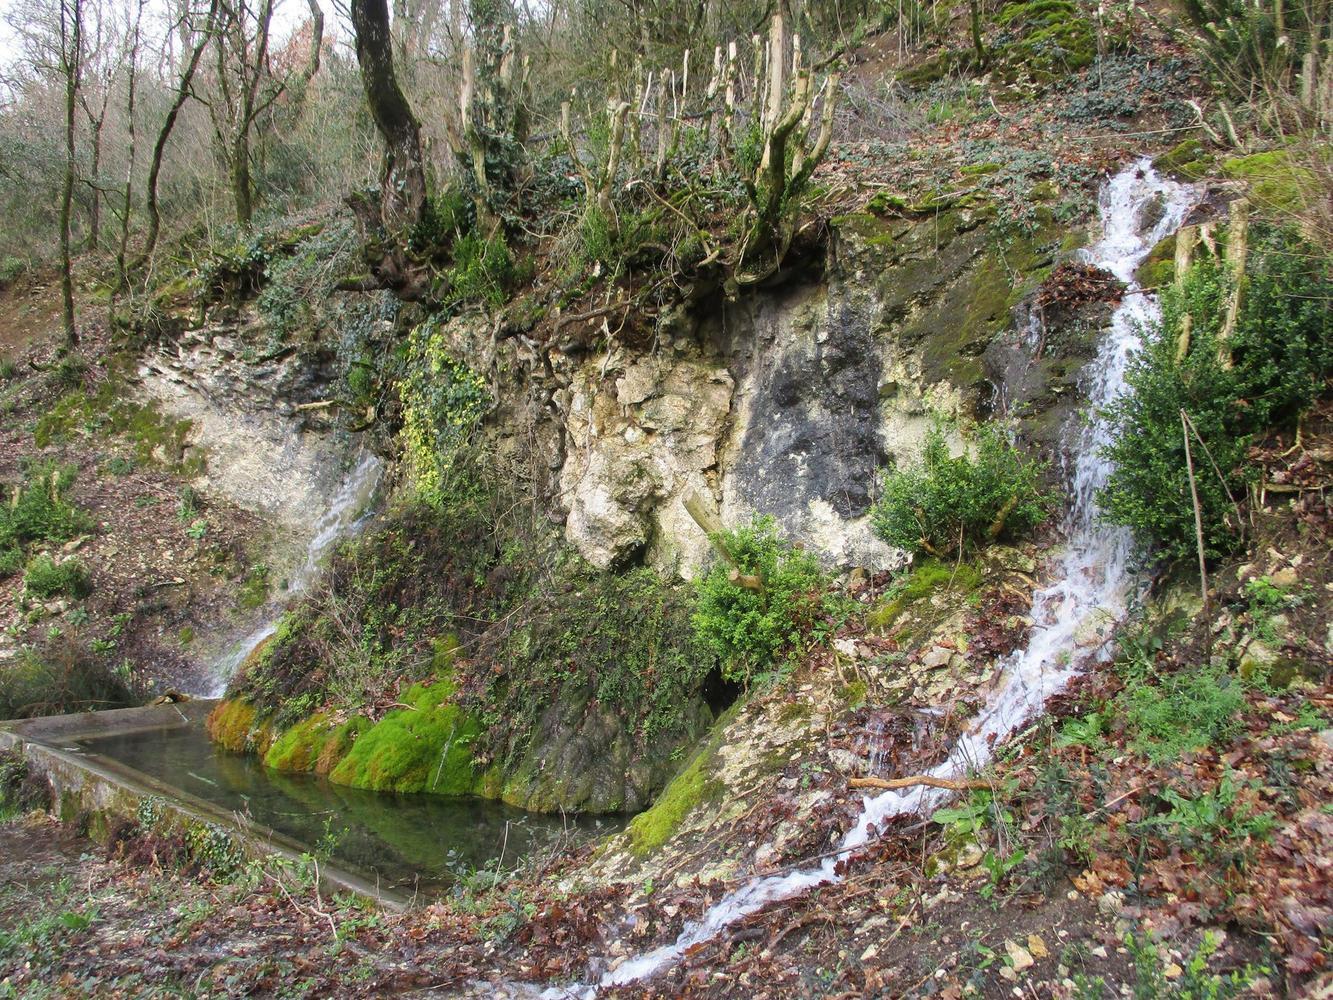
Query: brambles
[[946, 504]]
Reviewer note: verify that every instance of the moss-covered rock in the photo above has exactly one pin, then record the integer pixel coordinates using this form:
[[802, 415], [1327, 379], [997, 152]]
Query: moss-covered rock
[[693, 786], [1276, 182], [1159, 267], [927, 577], [233, 725], [426, 747], [1188, 159], [1043, 40]]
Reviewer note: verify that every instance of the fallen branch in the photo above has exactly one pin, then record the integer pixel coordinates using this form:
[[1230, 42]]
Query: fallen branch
[[952, 784]]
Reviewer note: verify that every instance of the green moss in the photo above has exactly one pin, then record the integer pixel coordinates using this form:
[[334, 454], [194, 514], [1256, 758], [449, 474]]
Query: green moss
[[232, 726], [651, 829], [110, 410], [299, 747], [339, 743], [1276, 183], [927, 576], [424, 748], [1159, 267], [1187, 159]]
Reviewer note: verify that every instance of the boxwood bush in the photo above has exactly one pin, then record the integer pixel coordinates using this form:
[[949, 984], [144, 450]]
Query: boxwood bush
[[943, 504]]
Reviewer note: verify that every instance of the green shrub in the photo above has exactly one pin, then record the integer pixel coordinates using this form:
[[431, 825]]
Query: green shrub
[[482, 270], [46, 578], [38, 512], [944, 503], [1282, 353], [752, 628], [1185, 711]]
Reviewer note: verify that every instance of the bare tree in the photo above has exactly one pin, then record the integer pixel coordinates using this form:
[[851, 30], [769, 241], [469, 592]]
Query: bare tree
[[194, 39], [248, 83]]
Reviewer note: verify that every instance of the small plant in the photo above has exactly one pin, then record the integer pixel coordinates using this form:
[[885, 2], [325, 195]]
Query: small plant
[[762, 603], [482, 270], [37, 511], [46, 578], [946, 505]]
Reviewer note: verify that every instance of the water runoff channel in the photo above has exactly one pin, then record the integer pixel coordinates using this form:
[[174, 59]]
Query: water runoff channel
[[394, 846], [1092, 585]]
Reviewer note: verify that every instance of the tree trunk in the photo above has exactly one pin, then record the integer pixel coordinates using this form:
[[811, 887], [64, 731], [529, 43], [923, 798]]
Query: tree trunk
[[95, 212], [71, 27], [240, 179], [403, 187]]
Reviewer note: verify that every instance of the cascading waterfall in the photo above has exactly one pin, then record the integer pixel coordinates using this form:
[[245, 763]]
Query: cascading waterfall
[[1073, 616], [346, 514]]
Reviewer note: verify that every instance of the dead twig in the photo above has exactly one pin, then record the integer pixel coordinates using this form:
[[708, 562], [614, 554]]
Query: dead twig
[[952, 784]]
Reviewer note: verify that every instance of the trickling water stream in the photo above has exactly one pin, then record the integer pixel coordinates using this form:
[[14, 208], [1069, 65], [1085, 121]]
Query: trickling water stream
[[348, 511], [1073, 616]]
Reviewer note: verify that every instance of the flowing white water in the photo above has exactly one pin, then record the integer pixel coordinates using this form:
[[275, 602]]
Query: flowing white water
[[347, 512], [1073, 616]]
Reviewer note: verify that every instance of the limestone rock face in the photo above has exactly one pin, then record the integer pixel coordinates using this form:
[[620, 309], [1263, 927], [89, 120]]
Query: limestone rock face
[[639, 444], [265, 454], [790, 401]]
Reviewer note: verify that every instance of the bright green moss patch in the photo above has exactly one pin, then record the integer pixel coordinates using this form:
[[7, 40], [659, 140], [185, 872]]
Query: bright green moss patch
[[928, 576], [651, 829], [299, 747], [1276, 183], [1159, 267], [1187, 159], [425, 748], [231, 725]]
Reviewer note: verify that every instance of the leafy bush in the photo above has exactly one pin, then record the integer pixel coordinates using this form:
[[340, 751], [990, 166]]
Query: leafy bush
[[47, 578], [1282, 352], [944, 503], [751, 628], [1167, 714], [38, 512]]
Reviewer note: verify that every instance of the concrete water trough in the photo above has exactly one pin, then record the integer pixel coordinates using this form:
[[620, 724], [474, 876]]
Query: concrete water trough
[[98, 790]]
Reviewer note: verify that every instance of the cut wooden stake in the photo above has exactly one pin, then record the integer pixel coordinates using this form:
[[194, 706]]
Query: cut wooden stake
[[1198, 537], [952, 784]]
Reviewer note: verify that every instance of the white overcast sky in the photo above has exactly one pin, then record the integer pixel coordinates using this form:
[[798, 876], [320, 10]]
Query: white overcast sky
[[287, 15]]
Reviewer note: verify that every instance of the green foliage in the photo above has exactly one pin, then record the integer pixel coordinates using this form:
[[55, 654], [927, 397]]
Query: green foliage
[[1282, 349], [1243, 43], [1183, 711], [424, 748], [753, 629], [944, 502], [46, 578], [297, 283], [1168, 714], [443, 402], [37, 512], [446, 215], [927, 576], [1194, 982], [482, 270]]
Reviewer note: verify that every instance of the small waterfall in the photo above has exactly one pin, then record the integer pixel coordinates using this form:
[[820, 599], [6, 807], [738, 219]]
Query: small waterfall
[[1073, 616], [348, 511]]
